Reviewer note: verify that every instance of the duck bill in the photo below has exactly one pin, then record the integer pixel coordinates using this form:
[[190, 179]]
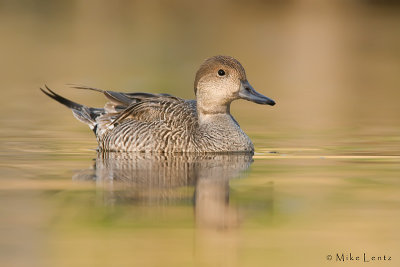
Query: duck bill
[[247, 92]]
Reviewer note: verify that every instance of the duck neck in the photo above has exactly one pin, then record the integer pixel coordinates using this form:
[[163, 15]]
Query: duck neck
[[209, 112]]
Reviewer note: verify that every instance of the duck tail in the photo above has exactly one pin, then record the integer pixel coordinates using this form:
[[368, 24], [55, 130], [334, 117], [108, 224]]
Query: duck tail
[[83, 113]]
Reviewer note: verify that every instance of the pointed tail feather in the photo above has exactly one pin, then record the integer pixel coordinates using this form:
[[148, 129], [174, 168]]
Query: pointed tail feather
[[82, 113]]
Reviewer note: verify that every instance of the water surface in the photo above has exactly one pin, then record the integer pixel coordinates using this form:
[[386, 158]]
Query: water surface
[[280, 207]]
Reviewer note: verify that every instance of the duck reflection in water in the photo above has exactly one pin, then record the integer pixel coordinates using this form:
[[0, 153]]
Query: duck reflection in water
[[162, 179]]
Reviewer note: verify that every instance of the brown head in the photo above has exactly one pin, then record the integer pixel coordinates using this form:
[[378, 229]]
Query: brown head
[[221, 80]]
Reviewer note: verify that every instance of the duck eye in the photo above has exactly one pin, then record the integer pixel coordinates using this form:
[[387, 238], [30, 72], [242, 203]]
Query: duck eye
[[221, 72]]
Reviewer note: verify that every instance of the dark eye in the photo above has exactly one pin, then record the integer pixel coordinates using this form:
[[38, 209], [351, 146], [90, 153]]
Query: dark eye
[[221, 72]]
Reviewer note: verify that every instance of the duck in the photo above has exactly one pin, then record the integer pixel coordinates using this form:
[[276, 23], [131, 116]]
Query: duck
[[162, 123]]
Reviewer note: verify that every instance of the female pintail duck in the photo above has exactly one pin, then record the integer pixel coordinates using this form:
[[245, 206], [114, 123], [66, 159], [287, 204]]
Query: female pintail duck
[[146, 122]]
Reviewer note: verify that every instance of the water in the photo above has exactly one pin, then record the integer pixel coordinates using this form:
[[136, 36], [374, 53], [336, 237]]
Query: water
[[324, 180], [294, 206]]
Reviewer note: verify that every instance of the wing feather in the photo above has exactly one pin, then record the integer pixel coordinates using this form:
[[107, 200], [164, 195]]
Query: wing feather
[[144, 107]]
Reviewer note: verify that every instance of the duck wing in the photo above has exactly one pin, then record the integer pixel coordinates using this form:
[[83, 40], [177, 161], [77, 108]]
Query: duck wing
[[120, 101], [146, 107], [168, 109]]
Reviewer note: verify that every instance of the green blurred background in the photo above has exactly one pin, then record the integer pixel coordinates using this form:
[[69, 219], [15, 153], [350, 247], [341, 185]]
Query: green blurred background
[[328, 64]]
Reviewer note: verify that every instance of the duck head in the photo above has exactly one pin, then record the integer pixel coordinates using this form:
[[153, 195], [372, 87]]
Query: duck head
[[221, 80]]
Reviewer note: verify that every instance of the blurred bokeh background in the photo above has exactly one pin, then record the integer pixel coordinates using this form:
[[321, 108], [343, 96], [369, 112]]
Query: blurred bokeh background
[[328, 64], [332, 66]]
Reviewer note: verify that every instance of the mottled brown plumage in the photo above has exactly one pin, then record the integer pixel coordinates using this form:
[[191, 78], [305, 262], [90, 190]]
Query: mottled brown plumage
[[163, 123]]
